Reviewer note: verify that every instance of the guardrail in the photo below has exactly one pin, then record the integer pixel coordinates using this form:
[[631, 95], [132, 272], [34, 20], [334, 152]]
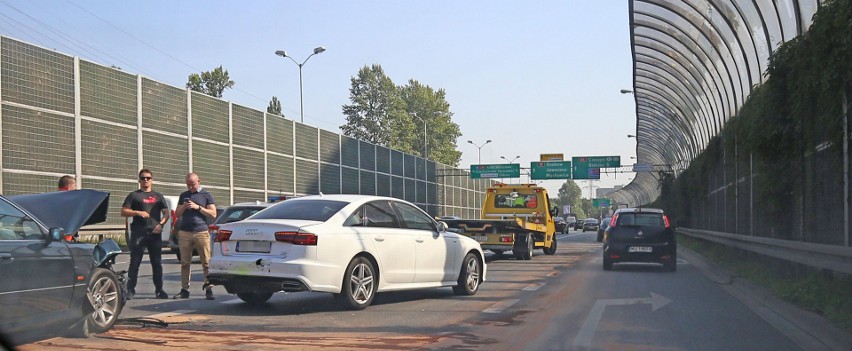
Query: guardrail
[[831, 257], [101, 230]]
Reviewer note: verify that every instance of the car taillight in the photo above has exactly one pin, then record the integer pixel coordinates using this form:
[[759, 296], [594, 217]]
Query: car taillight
[[297, 238], [213, 229], [612, 221], [666, 220], [223, 235], [506, 239]]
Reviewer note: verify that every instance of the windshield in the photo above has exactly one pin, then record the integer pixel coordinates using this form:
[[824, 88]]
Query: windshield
[[311, 210], [516, 200], [643, 219]]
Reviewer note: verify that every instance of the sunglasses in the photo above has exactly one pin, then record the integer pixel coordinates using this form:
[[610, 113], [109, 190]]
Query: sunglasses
[[145, 178]]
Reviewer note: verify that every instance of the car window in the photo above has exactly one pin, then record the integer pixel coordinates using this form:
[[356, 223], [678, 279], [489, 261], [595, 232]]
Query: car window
[[237, 214], [311, 210], [376, 214], [414, 218], [15, 225], [643, 219]]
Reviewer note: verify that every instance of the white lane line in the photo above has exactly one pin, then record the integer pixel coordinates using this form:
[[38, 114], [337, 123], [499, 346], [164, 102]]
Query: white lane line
[[533, 286], [170, 314], [500, 306]]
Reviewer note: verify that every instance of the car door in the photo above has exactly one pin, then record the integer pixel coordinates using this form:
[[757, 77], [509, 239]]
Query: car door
[[38, 278], [393, 245], [435, 253]]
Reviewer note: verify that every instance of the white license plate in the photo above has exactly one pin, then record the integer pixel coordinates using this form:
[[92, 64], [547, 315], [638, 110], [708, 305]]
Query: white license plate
[[480, 238], [640, 249], [254, 246]]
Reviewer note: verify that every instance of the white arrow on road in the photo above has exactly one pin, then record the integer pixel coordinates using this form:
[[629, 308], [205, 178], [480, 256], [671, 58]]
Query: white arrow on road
[[587, 331]]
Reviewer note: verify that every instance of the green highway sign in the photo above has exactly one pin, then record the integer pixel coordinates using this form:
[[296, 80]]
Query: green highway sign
[[588, 167], [550, 170], [603, 202], [502, 170]]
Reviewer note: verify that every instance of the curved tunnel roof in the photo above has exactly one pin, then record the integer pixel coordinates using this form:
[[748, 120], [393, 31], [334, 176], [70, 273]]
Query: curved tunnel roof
[[694, 64]]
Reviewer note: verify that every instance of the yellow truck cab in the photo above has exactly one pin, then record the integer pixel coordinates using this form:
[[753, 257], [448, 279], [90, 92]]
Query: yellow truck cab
[[516, 217]]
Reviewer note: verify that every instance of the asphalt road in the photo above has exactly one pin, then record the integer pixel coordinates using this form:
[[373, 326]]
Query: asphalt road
[[560, 302]]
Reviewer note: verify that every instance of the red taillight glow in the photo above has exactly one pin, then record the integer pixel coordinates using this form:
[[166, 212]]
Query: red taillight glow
[[612, 221], [213, 229], [666, 220], [223, 235], [506, 239], [296, 238]]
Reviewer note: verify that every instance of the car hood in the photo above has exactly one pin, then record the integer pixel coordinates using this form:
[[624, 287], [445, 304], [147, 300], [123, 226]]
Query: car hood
[[68, 210]]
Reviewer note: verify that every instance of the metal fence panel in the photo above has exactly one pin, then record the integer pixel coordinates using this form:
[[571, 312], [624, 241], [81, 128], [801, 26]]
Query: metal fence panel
[[245, 196], [248, 168], [329, 178], [307, 177], [351, 181], [368, 183], [209, 118], [108, 150], [383, 185], [307, 144], [367, 156], [279, 135], [280, 174], [248, 127], [36, 76], [210, 162], [329, 147], [349, 151], [383, 159], [107, 93], [165, 155], [397, 163], [163, 107], [37, 141]]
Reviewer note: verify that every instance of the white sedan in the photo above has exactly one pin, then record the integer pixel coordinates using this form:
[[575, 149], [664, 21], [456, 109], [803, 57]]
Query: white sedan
[[351, 245]]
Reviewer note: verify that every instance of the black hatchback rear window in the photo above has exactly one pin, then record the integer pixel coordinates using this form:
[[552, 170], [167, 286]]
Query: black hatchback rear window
[[311, 210], [643, 219]]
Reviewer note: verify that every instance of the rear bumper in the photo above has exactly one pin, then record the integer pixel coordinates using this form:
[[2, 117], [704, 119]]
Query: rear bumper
[[661, 253], [238, 284]]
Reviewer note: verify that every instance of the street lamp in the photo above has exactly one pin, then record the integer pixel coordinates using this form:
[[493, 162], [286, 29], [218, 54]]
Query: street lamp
[[626, 91], [414, 114], [282, 53], [479, 147], [631, 136], [512, 161]]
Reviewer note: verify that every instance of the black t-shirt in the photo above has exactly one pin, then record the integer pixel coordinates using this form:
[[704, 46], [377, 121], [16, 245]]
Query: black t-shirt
[[151, 202]]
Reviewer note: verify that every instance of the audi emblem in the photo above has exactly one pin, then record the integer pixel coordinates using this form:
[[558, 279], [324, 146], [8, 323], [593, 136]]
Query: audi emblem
[[252, 231]]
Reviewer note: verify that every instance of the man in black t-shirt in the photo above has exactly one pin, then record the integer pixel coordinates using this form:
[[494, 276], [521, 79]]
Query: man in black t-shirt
[[150, 213]]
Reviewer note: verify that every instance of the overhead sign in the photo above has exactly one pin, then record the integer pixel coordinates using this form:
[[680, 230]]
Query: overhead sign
[[588, 167], [602, 202], [550, 170], [641, 167], [502, 170], [552, 157]]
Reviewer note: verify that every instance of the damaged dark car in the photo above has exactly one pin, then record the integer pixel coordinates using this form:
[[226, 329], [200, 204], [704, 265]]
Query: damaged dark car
[[51, 283]]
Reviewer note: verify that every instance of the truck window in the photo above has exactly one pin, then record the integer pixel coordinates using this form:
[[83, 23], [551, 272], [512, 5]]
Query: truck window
[[517, 201]]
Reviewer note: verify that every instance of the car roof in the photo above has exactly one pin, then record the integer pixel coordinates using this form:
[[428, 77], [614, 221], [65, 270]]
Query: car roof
[[639, 210], [251, 204]]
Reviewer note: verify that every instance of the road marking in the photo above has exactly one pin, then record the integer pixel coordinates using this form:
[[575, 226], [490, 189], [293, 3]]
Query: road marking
[[232, 301], [170, 314], [590, 326], [500, 306], [533, 286], [554, 274]]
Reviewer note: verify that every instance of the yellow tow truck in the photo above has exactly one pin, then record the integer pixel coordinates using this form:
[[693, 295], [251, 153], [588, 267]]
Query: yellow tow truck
[[515, 217]]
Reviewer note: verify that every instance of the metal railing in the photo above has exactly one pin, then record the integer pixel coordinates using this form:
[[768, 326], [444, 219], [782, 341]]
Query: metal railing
[[100, 231], [831, 257]]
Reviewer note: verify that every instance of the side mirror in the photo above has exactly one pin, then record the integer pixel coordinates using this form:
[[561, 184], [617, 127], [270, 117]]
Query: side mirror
[[55, 234], [442, 226]]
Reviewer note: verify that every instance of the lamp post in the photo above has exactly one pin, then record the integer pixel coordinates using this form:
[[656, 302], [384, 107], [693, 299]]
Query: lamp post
[[479, 147], [282, 53], [626, 91], [414, 114], [631, 136], [512, 161]]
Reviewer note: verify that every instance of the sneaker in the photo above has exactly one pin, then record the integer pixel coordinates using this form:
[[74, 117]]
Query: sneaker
[[161, 295], [209, 294], [183, 294], [130, 294]]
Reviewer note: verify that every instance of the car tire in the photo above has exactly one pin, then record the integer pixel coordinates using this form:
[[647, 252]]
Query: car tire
[[104, 296], [359, 284], [499, 253], [469, 276], [607, 262], [254, 298], [552, 249], [528, 254]]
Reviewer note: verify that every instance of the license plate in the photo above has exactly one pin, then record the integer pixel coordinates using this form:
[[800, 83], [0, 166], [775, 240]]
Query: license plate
[[480, 238], [640, 249], [254, 246]]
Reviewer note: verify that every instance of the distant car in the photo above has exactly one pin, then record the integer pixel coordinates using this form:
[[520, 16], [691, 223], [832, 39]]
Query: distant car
[[590, 224], [561, 225], [233, 213], [602, 227], [353, 246], [51, 283], [640, 235], [578, 224]]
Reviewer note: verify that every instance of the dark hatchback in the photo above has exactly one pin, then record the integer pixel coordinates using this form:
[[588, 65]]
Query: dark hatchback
[[52, 284], [640, 235]]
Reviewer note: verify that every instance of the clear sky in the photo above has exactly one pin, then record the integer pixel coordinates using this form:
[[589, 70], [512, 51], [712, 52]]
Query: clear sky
[[532, 76]]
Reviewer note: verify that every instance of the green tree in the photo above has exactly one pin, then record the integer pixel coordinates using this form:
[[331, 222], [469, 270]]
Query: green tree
[[274, 107], [428, 105], [212, 83], [569, 194], [377, 113]]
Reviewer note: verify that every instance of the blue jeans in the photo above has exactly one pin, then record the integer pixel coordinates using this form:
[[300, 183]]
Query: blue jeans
[[138, 244]]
